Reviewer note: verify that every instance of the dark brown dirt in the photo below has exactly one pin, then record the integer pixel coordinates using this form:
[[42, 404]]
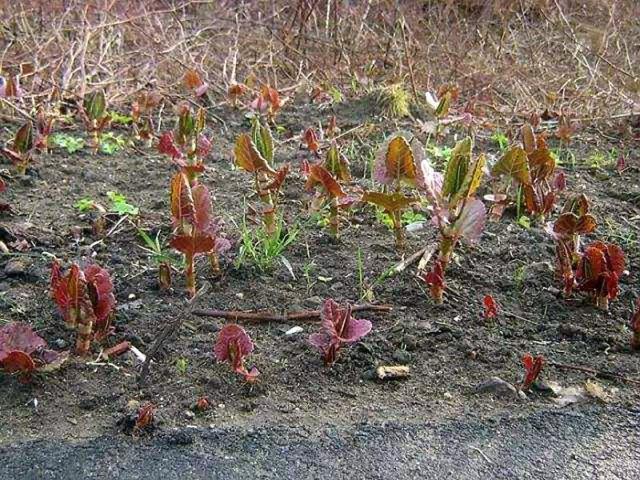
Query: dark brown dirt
[[450, 348]]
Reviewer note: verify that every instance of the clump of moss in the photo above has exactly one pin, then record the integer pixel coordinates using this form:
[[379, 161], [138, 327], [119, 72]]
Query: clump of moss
[[394, 100]]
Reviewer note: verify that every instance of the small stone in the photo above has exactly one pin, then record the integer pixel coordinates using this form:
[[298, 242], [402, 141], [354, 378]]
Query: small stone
[[60, 343], [189, 414], [179, 437], [313, 301], [497, 387], [410, 343], [294, 330], [15, 268]]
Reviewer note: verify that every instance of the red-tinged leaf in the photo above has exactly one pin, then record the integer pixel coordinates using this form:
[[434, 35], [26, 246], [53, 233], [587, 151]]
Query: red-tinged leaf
[[10, 87], [634, 324], [23, 141], [615, 259], [181, 199], [560, 181], [18, 362], [319, 175], [396, 163], [277, 180], [247, 156], [203, 404], [435, 276], [490, 307], [236, 90], [192, 80], [100, 288], [338, 327], [145, 416], [528, 138], [337, 164], [193, 244], [311, 139], [513, 164], [19, 336], [3, 185], [204, 146], [541, 163], [532, 368], [233, 345], [167, 146], [471, 221], [432, 182], [621, 164], [273, 97]]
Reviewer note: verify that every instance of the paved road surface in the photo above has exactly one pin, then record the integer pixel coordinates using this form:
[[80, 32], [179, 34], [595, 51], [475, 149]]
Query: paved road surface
[[591, 442]]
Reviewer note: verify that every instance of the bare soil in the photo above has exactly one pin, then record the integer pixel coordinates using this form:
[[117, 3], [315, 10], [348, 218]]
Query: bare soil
[[450, 348]]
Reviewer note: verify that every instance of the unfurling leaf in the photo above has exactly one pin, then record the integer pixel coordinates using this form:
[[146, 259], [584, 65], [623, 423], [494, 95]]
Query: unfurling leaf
[[490, 307], [528, 138], [532, 368], [337, 164], [95, 105], [471, 221], [599, 271], [396, 163], [514, 164], [311, 139], [320, 175], [457, 168], [338, 328], [232, 346], [247, 156]]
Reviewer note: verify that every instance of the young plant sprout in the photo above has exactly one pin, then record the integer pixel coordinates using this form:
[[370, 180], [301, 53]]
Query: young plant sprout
[[574, 221], [254, 154], [85, 300], [234, 92], [635, 327], [457, 213], [397, 165], [532, 169], [187, 145], [490, 307], [22, 148], [163, 260], [338, 328], [311, 139], [267, 102], [44, 127], [142, 114], [10, 87], [326, 177], [193, 82], [232, 346], [95, 116], [532, 368], [4, 206], [599, 270], [196, 231]]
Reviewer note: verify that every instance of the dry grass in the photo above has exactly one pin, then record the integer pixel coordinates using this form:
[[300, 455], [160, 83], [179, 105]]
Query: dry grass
[[507, 57]]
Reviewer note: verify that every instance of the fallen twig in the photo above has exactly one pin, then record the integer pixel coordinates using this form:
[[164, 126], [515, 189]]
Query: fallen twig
[[595, 373], [166, 333], [266, 316]]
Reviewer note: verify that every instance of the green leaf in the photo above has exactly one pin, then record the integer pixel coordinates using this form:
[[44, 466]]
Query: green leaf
[[120, 206], [84, 204], [95, 105], [457, 167], [69, 143]]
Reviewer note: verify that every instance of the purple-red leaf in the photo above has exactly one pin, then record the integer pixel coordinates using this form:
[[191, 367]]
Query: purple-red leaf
[[338, 327], [232, 346], [471, 221]]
